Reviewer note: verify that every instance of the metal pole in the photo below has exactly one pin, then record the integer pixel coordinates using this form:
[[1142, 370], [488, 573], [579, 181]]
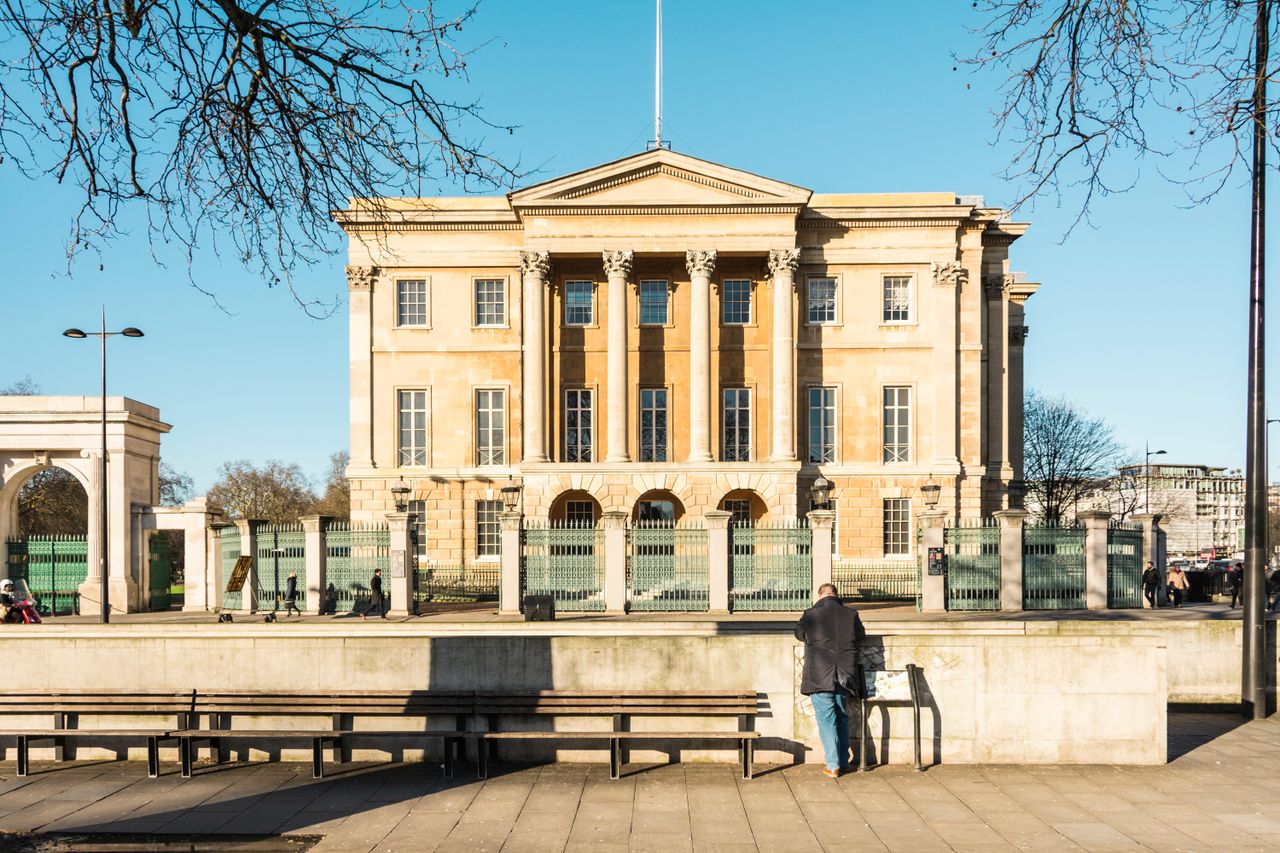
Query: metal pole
[[102, 484], [1253, 691], [1146, 478]]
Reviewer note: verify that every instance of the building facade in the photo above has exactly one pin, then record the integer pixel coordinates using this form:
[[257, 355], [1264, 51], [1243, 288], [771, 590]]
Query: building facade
[[1202, 505], [663, 336]]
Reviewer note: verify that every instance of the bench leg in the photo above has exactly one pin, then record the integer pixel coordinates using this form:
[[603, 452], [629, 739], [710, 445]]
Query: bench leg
[[615, 758], [153, 756], [184, 755], [23, 767], [747, 751], [317, 757], [482, 759], [450, 753]]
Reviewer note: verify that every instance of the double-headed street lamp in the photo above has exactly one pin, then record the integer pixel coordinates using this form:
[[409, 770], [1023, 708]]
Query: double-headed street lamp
[[103, 334], [1146, 475]]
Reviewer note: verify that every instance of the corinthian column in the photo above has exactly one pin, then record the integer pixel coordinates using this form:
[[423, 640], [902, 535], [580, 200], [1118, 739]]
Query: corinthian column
[[617, 266], [534, 267], [782, 266], [700, 266]]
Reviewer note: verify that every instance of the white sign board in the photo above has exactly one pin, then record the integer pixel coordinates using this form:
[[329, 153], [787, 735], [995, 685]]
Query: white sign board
[[890, 685]]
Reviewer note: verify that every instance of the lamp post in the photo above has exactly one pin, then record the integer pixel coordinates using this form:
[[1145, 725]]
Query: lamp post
[[510, 495], [820, 493], [400, 495], [102, 335], [931, 491], [1146, 476]]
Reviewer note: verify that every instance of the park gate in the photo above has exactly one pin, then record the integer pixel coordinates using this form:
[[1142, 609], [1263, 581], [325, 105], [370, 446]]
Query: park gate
[[667, 566], [565, 560], [973, 565], [53, 568], [159, 574]]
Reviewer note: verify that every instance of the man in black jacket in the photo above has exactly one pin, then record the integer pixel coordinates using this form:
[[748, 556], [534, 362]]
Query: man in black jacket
[[831, 633], [375, 596]]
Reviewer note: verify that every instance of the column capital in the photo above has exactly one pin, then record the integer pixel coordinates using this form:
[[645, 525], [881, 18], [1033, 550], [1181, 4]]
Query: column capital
[[1018, 335], [361, 278], [535, 264], [618, 262], [950, 274], [700, 263], [783, 261]]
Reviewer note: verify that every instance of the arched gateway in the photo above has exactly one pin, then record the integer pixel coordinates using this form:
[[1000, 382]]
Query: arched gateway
[[66, 432]]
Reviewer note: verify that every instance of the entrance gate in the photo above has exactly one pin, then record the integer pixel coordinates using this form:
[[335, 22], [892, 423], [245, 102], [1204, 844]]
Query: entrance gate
[[53, 568], [973, 566], [160, 574]]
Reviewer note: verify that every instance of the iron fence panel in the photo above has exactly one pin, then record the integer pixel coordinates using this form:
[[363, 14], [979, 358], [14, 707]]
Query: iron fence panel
[[159, 574], [229, 552], [564, 560], [1124, 565], [440, 583], [770, 566], [1053, 576], [667, 566], [281, 549], [352, 552], [877, 580], [973, 566]]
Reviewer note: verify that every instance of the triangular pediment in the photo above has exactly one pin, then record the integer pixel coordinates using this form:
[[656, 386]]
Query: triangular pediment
[[660, 178]]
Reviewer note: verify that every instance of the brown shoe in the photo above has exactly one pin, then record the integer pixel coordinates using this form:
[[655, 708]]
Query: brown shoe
[[830, 774]]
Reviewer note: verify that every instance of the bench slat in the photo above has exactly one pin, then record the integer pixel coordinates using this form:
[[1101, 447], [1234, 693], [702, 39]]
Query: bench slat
[[617, 735]]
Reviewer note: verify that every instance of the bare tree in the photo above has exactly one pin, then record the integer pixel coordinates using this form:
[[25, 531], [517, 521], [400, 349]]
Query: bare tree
[[176, 487], [53, 503], [233, 121], [274, 492], [1087, 79], [336, 499], [24, 387], [1068, 456]]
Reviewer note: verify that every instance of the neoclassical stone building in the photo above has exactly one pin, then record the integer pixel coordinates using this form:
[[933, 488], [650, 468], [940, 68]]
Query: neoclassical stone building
[[663, 335]]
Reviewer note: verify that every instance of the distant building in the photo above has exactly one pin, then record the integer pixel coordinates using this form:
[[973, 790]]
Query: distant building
[[1203, 505]]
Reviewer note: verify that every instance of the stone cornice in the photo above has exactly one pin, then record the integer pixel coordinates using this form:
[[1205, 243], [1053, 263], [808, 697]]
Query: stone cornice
[[646, 209], [365, 227]]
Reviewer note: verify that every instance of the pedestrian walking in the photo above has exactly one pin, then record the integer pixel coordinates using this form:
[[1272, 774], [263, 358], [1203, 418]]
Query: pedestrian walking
[[1236, 579], [1273, 590], [375, 596], [291, 595], [831, 633], [1177, 584], [1150, 584]]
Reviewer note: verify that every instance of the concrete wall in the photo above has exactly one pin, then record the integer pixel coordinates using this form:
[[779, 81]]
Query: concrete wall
[[996, 691]]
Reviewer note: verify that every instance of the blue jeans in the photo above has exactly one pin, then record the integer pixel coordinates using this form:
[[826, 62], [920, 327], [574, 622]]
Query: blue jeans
[[833, 727]]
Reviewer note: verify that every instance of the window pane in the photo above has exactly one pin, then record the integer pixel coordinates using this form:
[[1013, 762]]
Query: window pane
[[580, 512], [897, 424], [653, 425], [577, 425], [491, 418], [735, 302], [488, 529], [735, 431], [897, 526], [897, 298], [411, 303], [822, 424], [413, 427], [491, 309], [577, 303], [822, 300], [653, 303]]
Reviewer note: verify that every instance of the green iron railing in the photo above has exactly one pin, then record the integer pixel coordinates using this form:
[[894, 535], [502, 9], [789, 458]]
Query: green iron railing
[[564, 560], [1053, 575], [877, 580], [352, 552], [437, 583], [973, 565], [228, 553], [1124, 565], [281, 550], [771, 566], [159, 574], [667, 566], [53, 568]]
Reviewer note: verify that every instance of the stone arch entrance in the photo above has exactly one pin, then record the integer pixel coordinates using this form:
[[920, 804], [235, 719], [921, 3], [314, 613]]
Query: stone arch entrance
[[577, 506], [746, 505], [37, 433]]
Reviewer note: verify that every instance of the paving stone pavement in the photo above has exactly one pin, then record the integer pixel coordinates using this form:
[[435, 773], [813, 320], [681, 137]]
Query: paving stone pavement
[[1220, 791]]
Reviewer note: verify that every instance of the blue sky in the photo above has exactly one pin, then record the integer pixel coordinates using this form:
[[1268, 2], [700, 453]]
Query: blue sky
[[1141, 319]]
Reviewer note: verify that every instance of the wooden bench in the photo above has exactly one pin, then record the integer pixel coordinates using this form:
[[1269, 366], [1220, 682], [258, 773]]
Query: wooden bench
[[889, 687], [218, 709], [65, 707], [620, 707]]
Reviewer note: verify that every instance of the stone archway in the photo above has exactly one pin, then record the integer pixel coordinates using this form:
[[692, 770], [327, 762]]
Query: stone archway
[[65, 432]]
